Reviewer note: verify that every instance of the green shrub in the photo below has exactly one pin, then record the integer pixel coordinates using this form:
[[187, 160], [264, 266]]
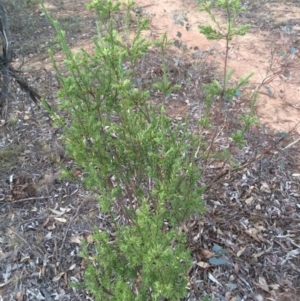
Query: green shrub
[[224, 90], [140, 164]]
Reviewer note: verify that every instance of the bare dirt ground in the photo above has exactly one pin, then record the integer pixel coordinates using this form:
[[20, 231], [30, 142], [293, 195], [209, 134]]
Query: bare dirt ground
[[252, 212], [275, 26]]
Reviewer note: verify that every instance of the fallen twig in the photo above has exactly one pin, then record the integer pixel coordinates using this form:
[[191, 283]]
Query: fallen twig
[[67, 230]]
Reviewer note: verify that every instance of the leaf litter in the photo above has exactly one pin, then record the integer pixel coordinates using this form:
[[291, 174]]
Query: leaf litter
[[245, 247]]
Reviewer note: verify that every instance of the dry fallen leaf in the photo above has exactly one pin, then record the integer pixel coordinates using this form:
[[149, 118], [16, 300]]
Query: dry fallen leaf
[[57, 277], [265, 187], [75, 240], [203, 264], [72, 267], [90, 239], [256, 255], [241, 251], [249, 201], [219, 231], [263, 283], [258, 207], [64, 209], [275, 286], [51, 227], [56, 212], [60, 219], [207, 253], [43, 270], [212, 278]]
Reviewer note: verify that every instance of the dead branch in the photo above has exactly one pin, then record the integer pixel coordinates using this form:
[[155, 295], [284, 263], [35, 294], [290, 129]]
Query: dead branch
[[5, 65]]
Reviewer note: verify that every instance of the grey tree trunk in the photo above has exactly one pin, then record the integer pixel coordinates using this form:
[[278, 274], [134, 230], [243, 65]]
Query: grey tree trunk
[[5, 59]]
